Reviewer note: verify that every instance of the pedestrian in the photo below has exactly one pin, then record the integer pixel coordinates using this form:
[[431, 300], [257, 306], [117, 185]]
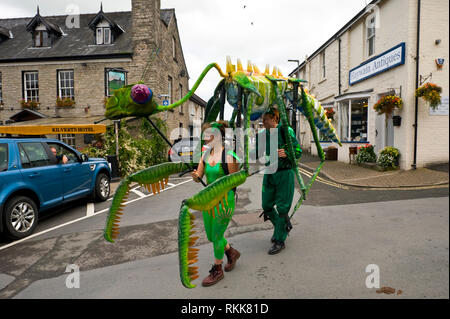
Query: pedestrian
[[215, 164], [278, 187]]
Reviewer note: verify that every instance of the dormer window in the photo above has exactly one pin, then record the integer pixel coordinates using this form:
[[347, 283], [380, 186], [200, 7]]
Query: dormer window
[[105, 29], [44, 32], [103, 36], [41, 38]]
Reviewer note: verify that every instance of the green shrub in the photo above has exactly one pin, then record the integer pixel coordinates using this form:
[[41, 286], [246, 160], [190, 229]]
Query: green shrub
[[388, 158], [138, 152], [366, 154]]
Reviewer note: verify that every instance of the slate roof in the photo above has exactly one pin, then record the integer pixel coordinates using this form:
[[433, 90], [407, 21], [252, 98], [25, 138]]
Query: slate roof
[[75, 43]]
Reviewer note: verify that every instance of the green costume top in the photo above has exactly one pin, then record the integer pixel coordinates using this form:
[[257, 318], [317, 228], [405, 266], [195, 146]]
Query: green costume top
[[217, 223], [283, 163], [214, 172]]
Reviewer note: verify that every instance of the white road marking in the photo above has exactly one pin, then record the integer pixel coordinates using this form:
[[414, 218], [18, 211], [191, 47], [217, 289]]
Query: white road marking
[[90, 210], [140, 194], [85, 217]]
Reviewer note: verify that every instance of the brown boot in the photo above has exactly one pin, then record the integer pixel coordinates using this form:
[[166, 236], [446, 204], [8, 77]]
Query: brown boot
[[215, 275], [232, 256]]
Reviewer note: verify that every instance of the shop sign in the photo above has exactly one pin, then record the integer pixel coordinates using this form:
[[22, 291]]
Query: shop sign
[[381, 63]]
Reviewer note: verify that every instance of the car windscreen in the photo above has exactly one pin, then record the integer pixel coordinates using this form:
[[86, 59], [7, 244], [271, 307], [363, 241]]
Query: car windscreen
[[3, 157]]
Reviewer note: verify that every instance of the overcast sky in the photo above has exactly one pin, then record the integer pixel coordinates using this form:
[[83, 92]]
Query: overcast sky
[[264, 31]]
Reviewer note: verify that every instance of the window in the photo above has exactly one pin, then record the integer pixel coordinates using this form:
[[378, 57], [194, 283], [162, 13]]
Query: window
[[33, 155], [174, 51], [66, 84], [114, 79], [323, 72], [1, 91], [329, 111], [103, 36], [41, 38], [69, 139], [371, 36], [169, 90], [3, 157], [64, 151], [31, 86], [181, 96], [353, 120]]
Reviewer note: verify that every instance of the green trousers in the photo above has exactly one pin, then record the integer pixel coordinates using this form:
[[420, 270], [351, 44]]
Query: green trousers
[[278, 189], [216, 224]]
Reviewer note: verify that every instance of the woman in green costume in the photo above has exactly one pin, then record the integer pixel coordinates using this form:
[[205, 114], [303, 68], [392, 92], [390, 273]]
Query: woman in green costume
[[213, 166]]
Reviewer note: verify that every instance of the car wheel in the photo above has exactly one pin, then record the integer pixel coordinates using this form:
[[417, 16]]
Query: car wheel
[[102, 187], [20, 217]]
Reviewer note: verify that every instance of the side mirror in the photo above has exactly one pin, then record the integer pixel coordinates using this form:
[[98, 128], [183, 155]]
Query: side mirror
[[84, 158]]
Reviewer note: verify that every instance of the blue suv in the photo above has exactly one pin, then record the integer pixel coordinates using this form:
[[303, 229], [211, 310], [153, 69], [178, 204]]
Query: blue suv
[[37, 174]]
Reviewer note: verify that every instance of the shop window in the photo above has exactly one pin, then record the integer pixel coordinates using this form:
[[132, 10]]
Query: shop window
[[329, 109], [353, 120], [359, 122], [66, 84], [31, 86], [114, 79]]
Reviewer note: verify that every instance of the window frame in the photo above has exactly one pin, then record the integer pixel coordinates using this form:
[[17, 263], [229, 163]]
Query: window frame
[[323, 66], [49, 159], [102, 36], [181, 96], [68, 139], [60, 88], [117, 70], [174, 48], [349, 115], [24, 86], [170, 88], [7, 156], [370, 34]]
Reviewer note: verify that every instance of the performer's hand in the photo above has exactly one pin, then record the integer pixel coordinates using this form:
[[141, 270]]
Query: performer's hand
[[195, 176], [281, 153]]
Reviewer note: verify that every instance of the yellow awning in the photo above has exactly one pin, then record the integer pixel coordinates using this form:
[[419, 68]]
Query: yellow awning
[[53, 129]]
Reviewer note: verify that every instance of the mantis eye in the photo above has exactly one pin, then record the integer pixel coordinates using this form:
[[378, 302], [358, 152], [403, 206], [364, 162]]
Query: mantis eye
[[141, 94]]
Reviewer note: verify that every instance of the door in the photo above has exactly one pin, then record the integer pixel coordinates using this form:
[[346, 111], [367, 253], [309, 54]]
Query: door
[[39, 171], [380, 132], [76, 175]]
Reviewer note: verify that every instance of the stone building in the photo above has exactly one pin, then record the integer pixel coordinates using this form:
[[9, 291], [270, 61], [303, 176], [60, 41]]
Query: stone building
[[79, 60], [390, 47]]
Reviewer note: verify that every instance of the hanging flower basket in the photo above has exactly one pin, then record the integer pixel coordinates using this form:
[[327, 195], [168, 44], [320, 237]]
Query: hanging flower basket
[[330, 113], [431, 93], [387, 104]]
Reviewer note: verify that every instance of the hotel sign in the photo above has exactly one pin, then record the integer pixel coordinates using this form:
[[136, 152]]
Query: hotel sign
[[381, 63]]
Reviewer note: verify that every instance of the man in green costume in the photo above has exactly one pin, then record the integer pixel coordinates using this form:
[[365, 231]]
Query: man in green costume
[[278, 187]]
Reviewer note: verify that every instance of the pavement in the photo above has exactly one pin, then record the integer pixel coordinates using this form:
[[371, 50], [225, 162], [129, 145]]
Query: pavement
[[358, 176]]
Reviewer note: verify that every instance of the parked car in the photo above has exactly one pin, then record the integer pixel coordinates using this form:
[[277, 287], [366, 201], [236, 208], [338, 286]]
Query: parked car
[[37, 174], [183, 150]]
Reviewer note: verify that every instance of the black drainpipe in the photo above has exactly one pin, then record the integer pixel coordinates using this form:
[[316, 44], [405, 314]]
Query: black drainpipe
[[414, 165], [339, 66]]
